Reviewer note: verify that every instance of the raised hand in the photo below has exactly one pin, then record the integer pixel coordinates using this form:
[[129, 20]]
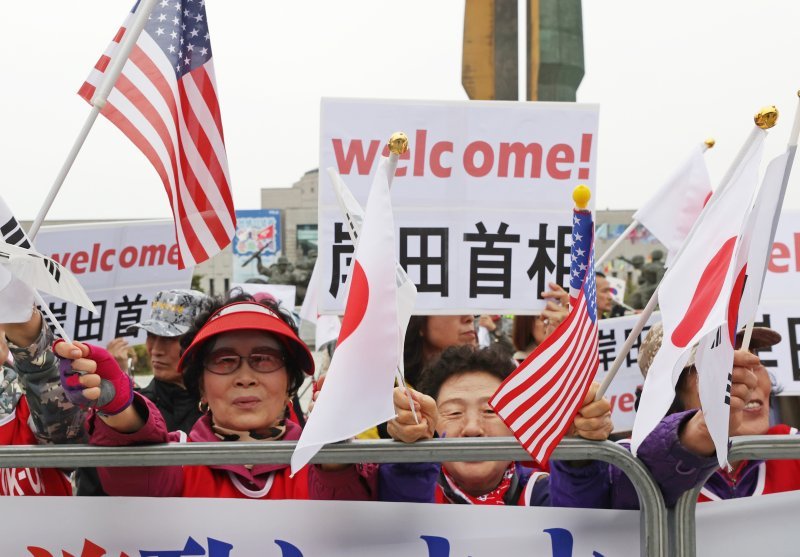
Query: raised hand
[[404, 427], [91, 377], [593, 420]]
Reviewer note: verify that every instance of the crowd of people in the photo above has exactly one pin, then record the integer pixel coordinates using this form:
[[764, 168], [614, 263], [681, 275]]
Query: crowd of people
[[228, 370]]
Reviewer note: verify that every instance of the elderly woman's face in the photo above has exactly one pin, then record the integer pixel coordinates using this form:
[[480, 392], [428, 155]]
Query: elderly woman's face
[[464, 411], [755, 416], [443, 331], [246, 400]]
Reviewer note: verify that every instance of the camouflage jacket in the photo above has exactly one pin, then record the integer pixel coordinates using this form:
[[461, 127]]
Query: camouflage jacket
[[35, 374]]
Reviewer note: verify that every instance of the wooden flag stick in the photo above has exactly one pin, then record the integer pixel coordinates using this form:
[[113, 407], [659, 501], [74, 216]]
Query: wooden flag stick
[[626, 347]]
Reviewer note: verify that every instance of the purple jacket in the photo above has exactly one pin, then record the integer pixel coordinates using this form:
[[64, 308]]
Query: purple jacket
[[413, 482], [675, 469]]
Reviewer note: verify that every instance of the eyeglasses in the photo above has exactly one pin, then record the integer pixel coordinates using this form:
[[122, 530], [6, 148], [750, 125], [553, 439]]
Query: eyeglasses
[[225, 361]]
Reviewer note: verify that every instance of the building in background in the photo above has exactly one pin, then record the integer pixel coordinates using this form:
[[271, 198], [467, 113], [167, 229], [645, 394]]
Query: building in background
[[298, 206], [257, 244]]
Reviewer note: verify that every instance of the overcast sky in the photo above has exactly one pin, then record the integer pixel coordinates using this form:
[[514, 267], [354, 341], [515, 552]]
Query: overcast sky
[[666, 76]]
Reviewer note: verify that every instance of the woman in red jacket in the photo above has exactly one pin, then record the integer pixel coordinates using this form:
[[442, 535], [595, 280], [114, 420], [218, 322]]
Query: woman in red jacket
[[245, 361]]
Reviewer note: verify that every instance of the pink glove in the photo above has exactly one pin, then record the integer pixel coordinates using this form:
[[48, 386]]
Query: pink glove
[[116, 387]]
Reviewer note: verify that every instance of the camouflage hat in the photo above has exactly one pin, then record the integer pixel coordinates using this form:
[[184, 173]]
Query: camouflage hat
[[763, 337], [172, 312]]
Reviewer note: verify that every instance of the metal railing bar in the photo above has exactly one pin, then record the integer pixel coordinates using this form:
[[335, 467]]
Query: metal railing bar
[[653, 516], [745, 447]]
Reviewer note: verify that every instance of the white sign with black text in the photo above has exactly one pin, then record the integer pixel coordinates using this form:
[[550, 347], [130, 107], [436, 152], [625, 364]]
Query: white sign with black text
[[121, 265], [482, 200]]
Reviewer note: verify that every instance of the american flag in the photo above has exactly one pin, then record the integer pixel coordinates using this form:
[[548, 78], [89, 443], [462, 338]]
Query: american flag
[[540, 399], [165, 101]]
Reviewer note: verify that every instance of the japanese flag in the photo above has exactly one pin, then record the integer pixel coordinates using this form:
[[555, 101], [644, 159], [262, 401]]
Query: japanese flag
[[715, 353], [670, 214], [695, 296], [406, 290], [357, 393]]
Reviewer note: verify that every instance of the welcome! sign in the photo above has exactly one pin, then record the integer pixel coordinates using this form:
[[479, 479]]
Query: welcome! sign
[[122, 266], [482, 199]]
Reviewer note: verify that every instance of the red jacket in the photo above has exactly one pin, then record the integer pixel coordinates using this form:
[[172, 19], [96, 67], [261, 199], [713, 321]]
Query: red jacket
[[760, 477], [263, 481], [14, 430]]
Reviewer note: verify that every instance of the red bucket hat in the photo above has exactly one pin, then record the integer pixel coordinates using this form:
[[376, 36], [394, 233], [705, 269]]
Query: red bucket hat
[[240, 316]]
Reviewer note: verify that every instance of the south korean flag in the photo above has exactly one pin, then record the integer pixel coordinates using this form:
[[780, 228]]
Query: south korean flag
[[16, 297], [43, 273], [23, 270]]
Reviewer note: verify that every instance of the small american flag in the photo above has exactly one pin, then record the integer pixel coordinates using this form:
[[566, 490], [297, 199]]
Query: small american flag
[[540, 399], [165, 101]]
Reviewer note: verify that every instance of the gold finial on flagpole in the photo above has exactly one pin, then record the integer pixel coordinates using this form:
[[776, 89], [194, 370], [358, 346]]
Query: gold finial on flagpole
[[767, 117], [398, 143], [798, 92], [581, 195], [710, 142]]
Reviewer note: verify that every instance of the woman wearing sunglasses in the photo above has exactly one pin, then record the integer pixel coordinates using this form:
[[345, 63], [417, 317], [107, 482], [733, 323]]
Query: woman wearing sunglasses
[[245, 362]]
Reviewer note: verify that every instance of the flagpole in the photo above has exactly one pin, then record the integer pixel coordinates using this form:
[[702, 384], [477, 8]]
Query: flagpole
[[598, 264], [46, 309], [791, 148], [764, 119], [626, 347], [121, 55], [398, 144]]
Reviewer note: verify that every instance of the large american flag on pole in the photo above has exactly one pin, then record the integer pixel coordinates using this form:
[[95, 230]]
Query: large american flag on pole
[[165, 101], [540, 399]]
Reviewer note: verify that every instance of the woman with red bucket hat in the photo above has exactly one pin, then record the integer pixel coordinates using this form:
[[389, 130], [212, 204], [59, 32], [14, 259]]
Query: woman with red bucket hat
[[245, 361]]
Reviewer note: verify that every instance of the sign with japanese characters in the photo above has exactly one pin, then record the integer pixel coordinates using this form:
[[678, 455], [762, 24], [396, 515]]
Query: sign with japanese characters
[[622, 390], [783, 359], [256, 244], [121, 265], [482, 200]]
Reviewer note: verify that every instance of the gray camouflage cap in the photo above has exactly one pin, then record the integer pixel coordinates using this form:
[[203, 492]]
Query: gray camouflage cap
[[173, 311]]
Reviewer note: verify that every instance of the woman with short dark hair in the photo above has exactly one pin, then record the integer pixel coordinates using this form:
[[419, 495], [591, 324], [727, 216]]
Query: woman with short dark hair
[[460, 384]]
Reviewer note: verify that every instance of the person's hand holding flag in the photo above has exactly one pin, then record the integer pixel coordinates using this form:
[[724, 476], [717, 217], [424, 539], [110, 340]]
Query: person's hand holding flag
[[539, 401]]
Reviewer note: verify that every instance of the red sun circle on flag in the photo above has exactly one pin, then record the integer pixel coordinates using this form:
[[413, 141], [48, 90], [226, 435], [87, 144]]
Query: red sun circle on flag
[[705, 295], [357, 302]]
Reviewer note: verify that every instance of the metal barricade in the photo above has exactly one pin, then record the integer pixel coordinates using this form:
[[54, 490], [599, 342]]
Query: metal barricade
[[745, 447], [653, 522]]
